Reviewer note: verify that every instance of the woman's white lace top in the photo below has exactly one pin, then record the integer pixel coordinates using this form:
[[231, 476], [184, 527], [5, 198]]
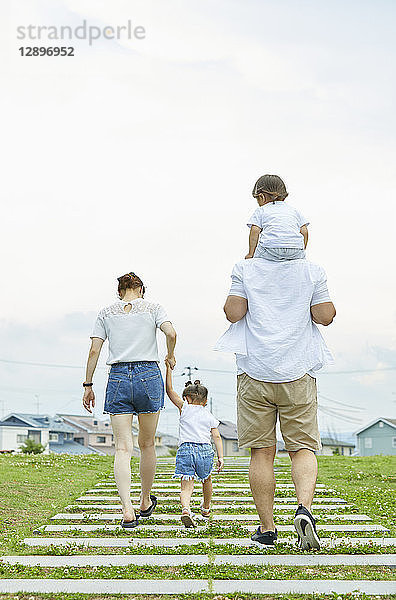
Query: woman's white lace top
[[132, 335]]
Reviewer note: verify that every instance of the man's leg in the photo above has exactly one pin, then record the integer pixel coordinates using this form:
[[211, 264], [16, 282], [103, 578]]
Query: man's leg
[[262, 484], [304, 472]]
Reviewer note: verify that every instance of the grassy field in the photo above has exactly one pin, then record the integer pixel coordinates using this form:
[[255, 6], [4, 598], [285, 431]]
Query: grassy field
[[33, 488]]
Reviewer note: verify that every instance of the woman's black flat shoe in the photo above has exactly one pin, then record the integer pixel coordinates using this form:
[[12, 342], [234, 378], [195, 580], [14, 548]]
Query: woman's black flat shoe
[[129, 524], [150, 510]]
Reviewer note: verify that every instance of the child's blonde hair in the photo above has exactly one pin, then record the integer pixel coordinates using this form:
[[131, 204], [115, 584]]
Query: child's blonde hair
[[195, 391], [272, 185]]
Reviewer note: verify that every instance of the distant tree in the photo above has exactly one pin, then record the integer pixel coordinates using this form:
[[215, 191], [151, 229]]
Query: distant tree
[[31, 447], [336, 452]]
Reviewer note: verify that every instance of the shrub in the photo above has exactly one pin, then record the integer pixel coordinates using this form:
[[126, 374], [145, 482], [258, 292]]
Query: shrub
[[31, 447]]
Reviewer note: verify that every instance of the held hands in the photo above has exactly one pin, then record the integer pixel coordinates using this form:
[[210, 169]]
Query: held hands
[[220, 464], [88, 399], [170, 361]]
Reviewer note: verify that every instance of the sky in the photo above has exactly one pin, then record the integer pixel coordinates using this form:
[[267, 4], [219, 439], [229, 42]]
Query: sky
[[141, 155]]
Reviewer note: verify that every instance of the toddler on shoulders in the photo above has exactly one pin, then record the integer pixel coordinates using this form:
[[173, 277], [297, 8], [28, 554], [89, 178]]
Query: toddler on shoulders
[[277, 230]]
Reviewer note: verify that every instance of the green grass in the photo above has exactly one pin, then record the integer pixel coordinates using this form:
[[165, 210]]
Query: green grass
[[191, 571], [35, 487], [368, 482], [352, 596]]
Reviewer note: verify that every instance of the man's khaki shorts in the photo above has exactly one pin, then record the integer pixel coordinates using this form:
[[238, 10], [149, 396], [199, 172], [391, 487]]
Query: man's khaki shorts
[[260, 402]]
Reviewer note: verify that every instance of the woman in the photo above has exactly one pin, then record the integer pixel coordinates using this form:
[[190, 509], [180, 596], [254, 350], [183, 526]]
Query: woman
[[135, 384]]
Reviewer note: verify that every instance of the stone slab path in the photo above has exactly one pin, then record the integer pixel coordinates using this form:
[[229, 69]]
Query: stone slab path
[[231, 497]]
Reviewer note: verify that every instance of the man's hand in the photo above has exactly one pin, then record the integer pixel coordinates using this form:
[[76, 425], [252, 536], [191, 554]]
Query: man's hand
[[88, 399], [171, 361], [220, 464]]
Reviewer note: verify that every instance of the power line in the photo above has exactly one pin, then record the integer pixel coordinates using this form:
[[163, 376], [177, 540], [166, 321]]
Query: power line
[[59, 366]]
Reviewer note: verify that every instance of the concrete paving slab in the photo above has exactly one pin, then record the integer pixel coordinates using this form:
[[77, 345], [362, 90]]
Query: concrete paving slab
[[347, 527], [295, 586], [325, 542], [176, 516], [215, 507], [125, 542], [216, 498], [223, 486], [114, 542], [113, 560], [105, 586], [185, 586]]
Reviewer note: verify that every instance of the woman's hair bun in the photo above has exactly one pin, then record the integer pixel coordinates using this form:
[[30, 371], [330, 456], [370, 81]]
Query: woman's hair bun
[[197, 382], [187, 383]]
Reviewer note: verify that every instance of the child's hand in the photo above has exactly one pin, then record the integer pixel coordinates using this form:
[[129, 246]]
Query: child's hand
[[170, 362], [249, 256], [220, 464]]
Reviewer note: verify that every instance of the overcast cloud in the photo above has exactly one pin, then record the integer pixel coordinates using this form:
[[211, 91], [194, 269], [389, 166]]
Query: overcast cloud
[[141, 155]]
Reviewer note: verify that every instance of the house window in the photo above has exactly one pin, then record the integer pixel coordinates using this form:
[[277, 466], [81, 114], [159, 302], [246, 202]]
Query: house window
[[394, 442], [100, 439], [380, 424], [79, 440], [53, 437], [368, 442], [21, 438], [235, 447]]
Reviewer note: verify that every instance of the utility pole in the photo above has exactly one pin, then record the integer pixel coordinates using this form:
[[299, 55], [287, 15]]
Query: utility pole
[[189, 372], [211, 403]]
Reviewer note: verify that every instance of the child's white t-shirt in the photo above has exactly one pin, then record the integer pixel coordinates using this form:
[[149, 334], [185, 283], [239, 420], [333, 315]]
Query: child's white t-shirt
[[195, 424], [280, 224]]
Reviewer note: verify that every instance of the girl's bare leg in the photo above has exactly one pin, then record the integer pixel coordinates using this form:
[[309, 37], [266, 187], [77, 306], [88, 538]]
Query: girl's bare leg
[[122, 429], [148, 459], [207, 489], [187, 486]]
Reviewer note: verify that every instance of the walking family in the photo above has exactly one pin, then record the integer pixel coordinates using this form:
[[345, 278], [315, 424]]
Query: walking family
[[277, 299]]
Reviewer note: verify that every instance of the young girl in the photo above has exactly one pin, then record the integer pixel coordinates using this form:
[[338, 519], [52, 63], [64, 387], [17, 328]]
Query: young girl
[[194, 458], [277, 230]]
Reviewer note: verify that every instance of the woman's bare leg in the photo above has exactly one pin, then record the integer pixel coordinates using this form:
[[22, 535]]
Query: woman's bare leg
[[187, 486], [122, 429], [207, 492], [148, 459]]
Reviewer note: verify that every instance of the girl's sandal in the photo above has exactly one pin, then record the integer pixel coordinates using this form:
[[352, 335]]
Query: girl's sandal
[[205, 512], [187, 518]]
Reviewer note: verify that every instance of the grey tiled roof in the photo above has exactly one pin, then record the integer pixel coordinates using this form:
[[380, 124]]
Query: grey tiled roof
[[70, 448]]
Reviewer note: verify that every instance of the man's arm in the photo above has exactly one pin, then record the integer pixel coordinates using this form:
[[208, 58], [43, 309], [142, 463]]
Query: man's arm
[[323, 313], [254, 235], [170, 334], [235, 308]]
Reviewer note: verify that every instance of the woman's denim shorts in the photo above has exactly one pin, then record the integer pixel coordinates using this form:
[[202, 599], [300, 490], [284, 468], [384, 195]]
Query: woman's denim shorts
[[194, 461], [134, 388]]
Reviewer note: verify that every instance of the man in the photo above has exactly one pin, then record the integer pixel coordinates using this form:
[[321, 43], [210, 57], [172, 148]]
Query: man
[[280, 304]]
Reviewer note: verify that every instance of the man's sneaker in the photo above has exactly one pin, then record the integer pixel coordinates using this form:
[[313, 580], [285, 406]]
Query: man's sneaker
[[266, 538], [305, 526]]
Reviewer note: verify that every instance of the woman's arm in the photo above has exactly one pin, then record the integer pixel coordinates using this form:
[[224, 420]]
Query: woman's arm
[[219, 448], [304, 232], [170, 334], [94, 352], [173, 397], [254, 235]]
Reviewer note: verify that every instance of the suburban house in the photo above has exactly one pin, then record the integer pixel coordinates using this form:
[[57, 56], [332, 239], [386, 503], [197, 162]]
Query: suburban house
[[98, 435], [331, 446], [378, 437], [229, 437], [17, 427]]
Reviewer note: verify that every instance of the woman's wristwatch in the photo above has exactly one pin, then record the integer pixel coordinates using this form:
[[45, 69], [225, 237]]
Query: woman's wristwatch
[[87, 384]]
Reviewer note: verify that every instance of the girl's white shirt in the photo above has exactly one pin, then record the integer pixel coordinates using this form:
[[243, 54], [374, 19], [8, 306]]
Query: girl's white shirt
[[196, 422]]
